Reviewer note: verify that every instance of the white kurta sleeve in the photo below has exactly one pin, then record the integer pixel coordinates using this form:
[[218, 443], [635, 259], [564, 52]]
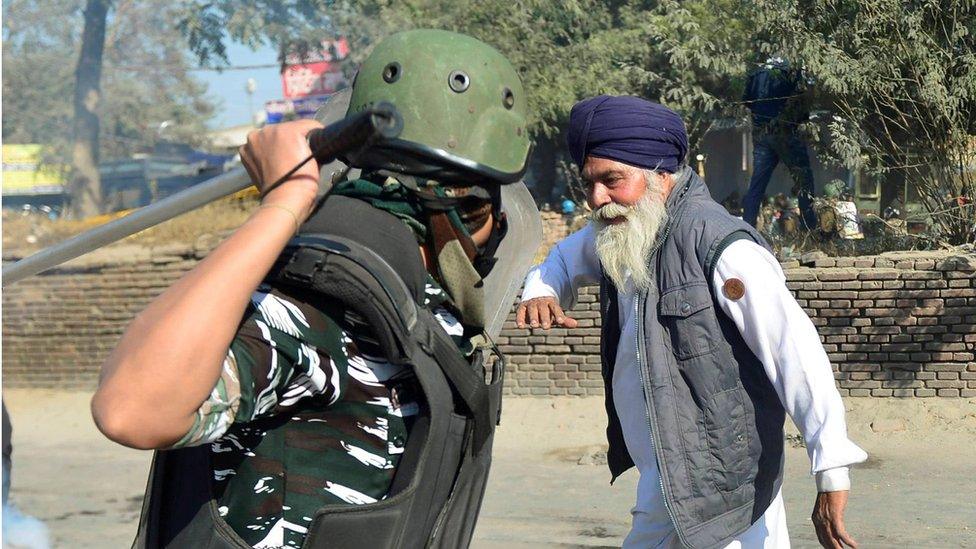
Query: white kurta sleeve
[[571, 263], [781, 335]]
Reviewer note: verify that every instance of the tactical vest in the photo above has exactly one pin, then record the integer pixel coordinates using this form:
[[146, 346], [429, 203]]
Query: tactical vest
[[378, 279], [716, 420]]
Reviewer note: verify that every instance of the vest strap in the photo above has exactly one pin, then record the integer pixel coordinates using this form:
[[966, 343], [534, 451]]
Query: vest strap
[[465, 380]]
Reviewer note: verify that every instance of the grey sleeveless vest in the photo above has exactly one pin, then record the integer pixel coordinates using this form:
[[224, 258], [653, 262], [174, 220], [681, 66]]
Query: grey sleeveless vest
[[716, 420]]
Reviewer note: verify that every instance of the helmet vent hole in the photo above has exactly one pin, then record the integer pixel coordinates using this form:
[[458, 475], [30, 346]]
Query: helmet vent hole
[[508, 98], [391, 72], [458, 81]]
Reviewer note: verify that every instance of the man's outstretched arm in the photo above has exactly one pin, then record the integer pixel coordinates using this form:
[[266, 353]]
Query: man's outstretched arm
[[552, 285], [750, 287], [171, 355]]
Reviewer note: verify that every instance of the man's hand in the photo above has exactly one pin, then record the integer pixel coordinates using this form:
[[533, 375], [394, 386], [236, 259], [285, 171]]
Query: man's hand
[[544, 312], [828, 519], [274, 150]]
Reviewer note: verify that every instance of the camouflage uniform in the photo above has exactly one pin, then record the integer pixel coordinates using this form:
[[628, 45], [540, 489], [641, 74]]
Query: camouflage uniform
[[304, 415]]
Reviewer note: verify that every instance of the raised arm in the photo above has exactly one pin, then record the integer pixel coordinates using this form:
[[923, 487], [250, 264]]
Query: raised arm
[[170, 357], [553, 284], [781, 335]]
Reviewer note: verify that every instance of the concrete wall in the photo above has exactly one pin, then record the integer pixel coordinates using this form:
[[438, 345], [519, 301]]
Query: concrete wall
[[900, 325]]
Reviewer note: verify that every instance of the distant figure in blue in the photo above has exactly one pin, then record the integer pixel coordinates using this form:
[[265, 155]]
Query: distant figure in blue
[[774, 95], [18, 530], [568, 206]]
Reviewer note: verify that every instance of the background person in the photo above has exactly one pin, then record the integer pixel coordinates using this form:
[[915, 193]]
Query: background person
[[775, 93]]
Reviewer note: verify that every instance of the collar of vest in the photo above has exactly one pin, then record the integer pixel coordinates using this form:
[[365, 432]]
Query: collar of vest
[[685, 181], [376, 230]]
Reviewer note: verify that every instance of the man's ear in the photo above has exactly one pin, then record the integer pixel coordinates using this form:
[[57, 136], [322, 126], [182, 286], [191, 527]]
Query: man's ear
[[667, 183]]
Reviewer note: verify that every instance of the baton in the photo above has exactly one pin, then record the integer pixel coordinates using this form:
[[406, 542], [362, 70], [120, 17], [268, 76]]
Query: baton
[[347, 137]]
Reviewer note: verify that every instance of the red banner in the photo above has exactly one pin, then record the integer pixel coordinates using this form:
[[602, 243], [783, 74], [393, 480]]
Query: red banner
[[317, 73]]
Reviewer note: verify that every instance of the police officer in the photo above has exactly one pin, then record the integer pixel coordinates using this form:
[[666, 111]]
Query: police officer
[[297, 406]]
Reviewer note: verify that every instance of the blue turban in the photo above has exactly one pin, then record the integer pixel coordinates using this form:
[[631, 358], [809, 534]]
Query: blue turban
[[629, 130]]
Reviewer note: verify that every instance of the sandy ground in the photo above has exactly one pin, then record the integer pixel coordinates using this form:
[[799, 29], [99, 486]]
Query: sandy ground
[[546, 489]]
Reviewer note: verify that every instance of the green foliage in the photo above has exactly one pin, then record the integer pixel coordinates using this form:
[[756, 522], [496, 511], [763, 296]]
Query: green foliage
[[897, 77], [145, 80], [900, 78], [687, 55], [287, 24], [683, 54]]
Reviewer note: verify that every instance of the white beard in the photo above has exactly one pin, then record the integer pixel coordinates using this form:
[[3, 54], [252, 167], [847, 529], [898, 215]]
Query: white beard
[[623, 248]]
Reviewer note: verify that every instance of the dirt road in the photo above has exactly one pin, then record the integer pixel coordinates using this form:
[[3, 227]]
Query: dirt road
[[548, 487]]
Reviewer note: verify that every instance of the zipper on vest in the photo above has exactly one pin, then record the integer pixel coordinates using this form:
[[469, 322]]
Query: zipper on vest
[[639, 305]]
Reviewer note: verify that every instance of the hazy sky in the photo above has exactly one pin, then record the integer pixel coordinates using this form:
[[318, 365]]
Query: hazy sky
[[228, 87]]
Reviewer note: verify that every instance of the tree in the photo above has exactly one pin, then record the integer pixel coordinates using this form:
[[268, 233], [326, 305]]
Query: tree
[[678, 53], [37, 84], [204, 27], [145, 81], [684, 54], [900, 78], [288, 25], [84, 187]]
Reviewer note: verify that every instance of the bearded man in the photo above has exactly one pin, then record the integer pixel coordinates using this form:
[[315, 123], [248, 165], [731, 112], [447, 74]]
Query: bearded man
[[703, 347]]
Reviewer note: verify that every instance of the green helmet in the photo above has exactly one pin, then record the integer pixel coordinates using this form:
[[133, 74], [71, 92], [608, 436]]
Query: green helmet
[[462, 103]]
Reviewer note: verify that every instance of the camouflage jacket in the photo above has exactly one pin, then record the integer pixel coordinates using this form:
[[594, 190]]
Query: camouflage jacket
[[304, 415]]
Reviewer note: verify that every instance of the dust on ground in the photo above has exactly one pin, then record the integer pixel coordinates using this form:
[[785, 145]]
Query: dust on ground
[[27, 233], [549, 485]]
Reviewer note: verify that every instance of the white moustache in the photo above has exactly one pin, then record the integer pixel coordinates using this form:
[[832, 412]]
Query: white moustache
[[612, 210], [623, 248]]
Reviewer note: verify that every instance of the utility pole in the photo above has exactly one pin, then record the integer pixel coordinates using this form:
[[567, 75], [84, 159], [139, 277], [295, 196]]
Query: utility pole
[[249, 87]]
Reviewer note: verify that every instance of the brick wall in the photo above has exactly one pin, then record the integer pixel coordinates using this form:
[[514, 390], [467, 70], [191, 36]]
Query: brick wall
[[58, 327], [897, 325], [893, 325], [555, 227]]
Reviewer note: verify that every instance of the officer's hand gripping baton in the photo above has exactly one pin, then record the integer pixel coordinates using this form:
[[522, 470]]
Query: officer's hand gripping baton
[[345, 138]]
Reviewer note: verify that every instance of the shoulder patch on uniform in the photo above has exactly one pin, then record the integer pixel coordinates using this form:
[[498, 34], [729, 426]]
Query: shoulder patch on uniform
[[734, 289]]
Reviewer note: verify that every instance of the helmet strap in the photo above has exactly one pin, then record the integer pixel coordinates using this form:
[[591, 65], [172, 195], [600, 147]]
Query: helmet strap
[[486, 254], [453, 253], [458, 264], [441, 231]]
